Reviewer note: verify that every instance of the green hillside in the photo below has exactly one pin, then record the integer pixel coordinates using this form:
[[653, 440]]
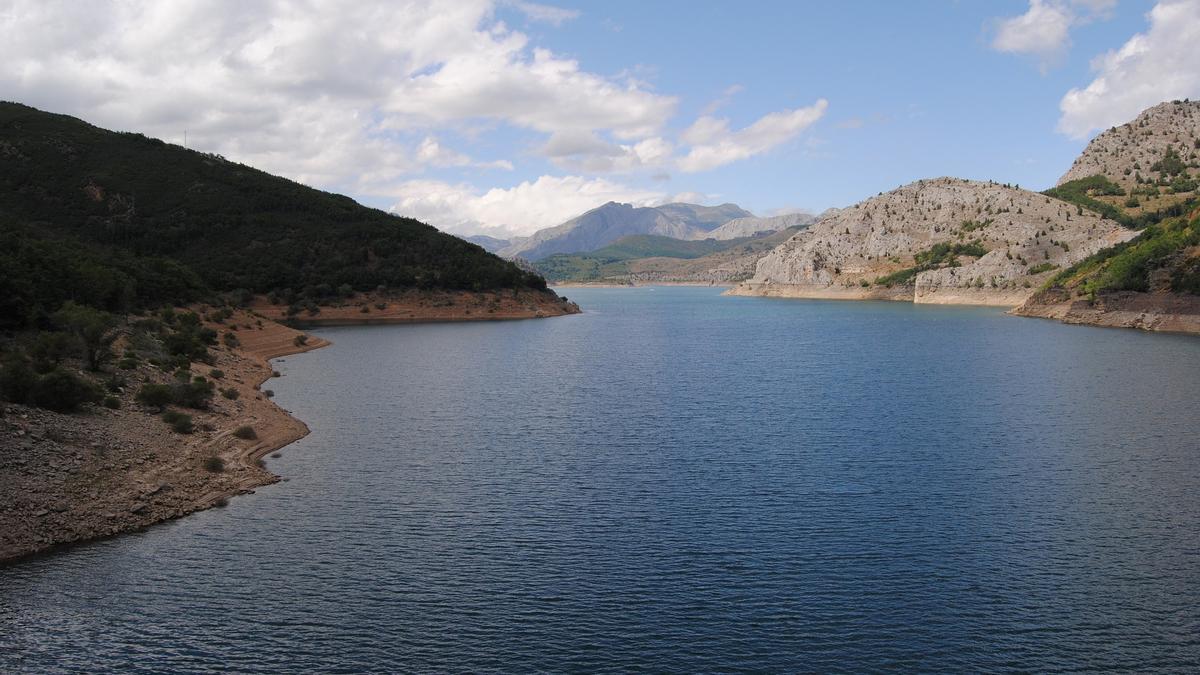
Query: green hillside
[[1163, 257], [119, 220]]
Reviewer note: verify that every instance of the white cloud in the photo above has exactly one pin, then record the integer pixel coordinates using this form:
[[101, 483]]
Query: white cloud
[[322, 92], [520, 210], [1158, 65], [1044, 30], [431, 152], [713, 144]]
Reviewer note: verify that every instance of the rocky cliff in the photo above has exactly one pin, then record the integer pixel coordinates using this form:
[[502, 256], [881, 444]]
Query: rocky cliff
[[944, 240]]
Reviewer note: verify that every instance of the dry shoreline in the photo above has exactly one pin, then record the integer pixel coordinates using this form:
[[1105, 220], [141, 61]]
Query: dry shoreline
[[423, 307], [99, 473], [641, 284], [1156, 312], [70, 478]]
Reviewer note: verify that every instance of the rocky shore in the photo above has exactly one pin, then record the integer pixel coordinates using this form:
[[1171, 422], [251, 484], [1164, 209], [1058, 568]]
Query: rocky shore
[[71, 477], [423, 307], [67, 478], [1160, 311]]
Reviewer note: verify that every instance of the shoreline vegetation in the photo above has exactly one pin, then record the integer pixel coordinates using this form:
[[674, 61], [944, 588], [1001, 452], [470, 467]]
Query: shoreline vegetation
[[139, 296], [104, 470]]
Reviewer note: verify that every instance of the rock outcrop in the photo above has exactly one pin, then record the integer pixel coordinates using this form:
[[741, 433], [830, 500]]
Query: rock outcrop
[[755, 227], [944, 240], [1135, 148]]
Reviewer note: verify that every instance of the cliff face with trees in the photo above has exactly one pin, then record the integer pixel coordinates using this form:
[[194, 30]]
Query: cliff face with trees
[[1145, 173]]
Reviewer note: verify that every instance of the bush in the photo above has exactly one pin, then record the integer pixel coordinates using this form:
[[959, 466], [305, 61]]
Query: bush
[[216, 374], [245, 433], [231, 340], [195, 394], [300, 340], [155, 395], [214, 465], [62, 391], [180, 423], [16, 379], [112, 402], [230, 393], [269, 394]]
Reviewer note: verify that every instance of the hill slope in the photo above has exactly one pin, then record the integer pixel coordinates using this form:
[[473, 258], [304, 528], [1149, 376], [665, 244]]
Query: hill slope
[[1145, 173], [945, 240], [125, 197], [605, 224], [1162, 142]]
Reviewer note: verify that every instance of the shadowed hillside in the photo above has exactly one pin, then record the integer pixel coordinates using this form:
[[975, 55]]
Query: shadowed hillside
[[127, 220]]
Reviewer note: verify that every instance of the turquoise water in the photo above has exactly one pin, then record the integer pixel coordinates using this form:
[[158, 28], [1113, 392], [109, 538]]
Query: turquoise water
[[678, 481]]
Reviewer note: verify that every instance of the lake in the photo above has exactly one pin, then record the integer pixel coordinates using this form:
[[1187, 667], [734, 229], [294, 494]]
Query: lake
[[678, 481]]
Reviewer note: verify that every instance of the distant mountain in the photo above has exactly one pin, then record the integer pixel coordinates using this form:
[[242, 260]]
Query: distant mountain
[[605, 224], [489, 244], [754, 227], [648, 259]]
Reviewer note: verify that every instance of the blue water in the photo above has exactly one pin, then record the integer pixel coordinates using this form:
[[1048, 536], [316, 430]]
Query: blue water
[[678, 481]]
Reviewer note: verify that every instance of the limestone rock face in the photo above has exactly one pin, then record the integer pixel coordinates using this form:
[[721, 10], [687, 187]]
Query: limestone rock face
[[1024, 238], [753, 227], [1121, 153]]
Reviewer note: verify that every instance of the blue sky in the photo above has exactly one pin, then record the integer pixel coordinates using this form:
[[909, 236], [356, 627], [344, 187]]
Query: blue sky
[[914, 89], [505, 116]]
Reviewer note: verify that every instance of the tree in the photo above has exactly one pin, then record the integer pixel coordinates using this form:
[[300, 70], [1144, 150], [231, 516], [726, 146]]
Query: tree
[[93, 327]]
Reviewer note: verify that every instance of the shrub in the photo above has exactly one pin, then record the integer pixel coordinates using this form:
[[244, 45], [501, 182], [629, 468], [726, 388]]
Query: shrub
[[245, 433], [300, 340], [214, 465], [269, 394], [62, 391], [216, 374], [180, 423], [194, 394], [230, 393], [127, 363], [155, 395], [231, 340], [16, 379]]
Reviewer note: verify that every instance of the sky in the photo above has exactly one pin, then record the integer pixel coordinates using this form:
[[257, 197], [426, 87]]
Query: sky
[[502, 117]]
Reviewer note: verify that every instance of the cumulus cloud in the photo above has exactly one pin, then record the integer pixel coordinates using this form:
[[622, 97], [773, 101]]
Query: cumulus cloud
[[364, 97], [1155, 66], [516, 211], [322, 92], [1044, 30], [431, 152], [713, 144]]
